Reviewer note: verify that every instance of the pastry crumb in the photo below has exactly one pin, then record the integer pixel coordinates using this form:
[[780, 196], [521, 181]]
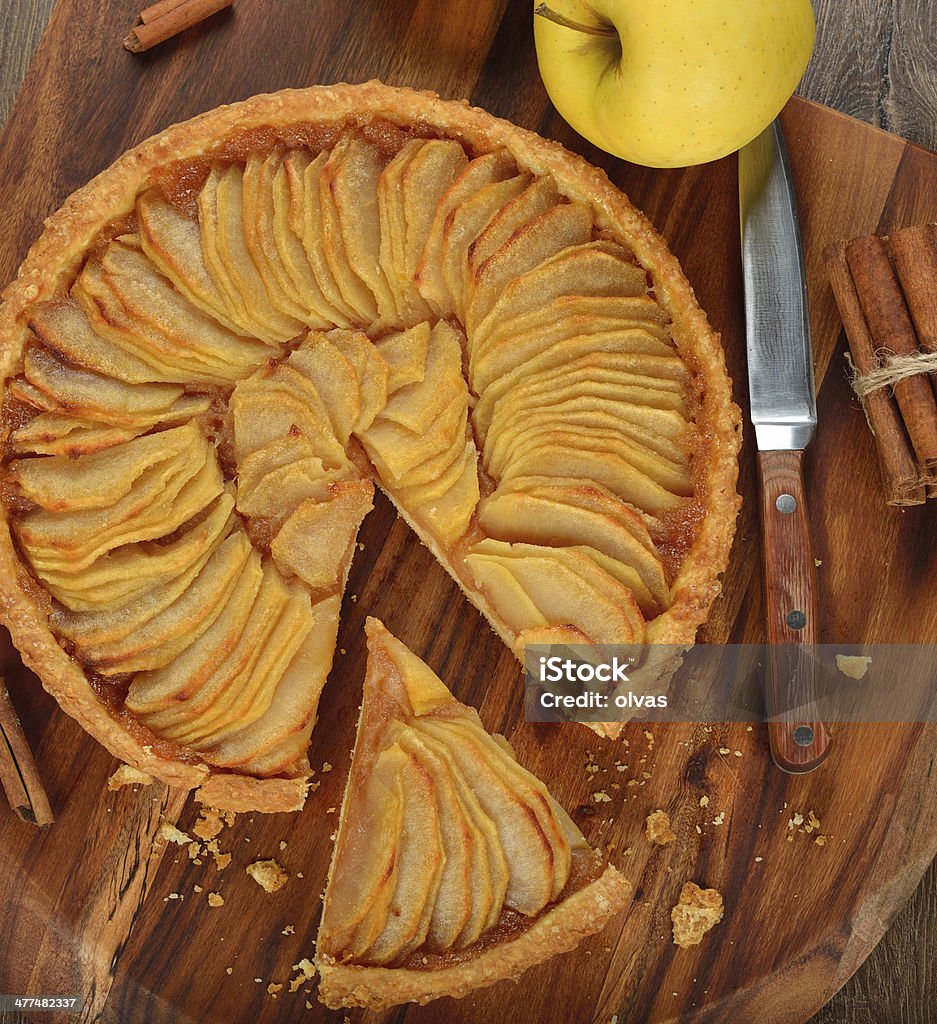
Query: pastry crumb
[[209, 824], [127, 775], [854, 666], [704, 801], [601, 797], [273, 988], [696, 912], [288, 930], [172, 835], [658, 830], [268, 874], [215, 899]]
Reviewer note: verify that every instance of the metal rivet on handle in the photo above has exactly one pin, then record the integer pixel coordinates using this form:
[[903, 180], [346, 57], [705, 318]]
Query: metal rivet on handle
[[796, 620], [786, 503], [803, 735]]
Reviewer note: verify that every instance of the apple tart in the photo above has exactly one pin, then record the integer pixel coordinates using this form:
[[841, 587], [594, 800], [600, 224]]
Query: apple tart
[[453, 866], [221, 344]]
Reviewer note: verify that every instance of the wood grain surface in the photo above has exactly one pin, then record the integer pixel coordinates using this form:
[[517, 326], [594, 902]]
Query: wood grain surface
[[801, 919]]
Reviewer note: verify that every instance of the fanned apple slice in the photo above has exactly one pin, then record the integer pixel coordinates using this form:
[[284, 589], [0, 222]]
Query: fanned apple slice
[[451, 863], [305, 218], [597, 268], [478, 173], [292, 711], [539, 196], [174, 243], [176, 682], [568, 588], [316, 542], [122, 575], [287, 212], [371, 369], [351, 176], [463, 225], [167, 634], [531, 245], [417, 405], [227, 260], [355, 291], [508, 366], [335, 379], [571, 316], [405, 353], [63, 328], [53, 434], [427, 177], [393, 234], [446, 506], [260, 237], [175, 328], [555, 522]]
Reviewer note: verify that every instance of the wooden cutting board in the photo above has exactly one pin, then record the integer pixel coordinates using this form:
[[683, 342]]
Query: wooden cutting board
[[87, 906]]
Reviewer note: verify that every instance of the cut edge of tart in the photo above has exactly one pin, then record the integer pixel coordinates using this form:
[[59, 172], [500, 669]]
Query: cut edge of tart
[[453, 867], [284, 119]]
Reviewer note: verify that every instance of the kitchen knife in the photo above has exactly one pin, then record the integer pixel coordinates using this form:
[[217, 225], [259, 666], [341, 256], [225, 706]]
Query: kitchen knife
[[784, 414]]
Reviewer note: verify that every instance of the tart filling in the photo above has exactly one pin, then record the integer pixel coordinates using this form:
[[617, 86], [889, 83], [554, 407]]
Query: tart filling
[[221, 345], [451, 858]]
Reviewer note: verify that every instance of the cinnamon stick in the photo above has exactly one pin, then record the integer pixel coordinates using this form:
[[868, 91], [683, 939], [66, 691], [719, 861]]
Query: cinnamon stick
[[19, 775], [914, 251], [892, 330], [900, 472], [167, 18]]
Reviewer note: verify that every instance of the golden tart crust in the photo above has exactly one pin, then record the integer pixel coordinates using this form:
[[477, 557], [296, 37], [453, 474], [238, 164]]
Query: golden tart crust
[[57, 257]]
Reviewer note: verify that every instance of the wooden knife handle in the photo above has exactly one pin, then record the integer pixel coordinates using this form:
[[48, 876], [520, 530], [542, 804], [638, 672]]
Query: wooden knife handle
[[799, 740]]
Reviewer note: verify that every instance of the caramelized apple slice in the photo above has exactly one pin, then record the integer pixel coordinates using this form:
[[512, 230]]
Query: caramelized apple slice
[[285, 182], [174, 243], [446, 506], [568, 588], [371, 369], [531, 245], [478, 174], [557, 523], [52, 434], [463, 226], [593, 268], [260, 238], [167, 634], [305, 218], [393, 234], [316, 542], [405, 353], [120, 576], [65, 329], [177, 681], [539, 196], [426, 178], [296, 698]]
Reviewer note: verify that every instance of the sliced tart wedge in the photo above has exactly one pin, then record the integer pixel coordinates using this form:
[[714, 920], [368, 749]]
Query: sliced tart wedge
[[454, 867]]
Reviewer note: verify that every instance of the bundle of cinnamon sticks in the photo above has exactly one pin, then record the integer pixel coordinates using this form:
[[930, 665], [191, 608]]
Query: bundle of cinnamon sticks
[[886, 290]]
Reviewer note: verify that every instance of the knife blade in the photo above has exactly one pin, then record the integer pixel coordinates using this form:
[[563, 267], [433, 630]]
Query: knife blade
[[784, 415]]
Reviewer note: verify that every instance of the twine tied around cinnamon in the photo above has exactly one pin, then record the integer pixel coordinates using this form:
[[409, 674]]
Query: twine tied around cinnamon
[[892, 369]]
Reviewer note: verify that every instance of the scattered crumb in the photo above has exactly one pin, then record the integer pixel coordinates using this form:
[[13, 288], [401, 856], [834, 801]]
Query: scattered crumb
[[720, 818], [658, 829], [127, 775], [601, 797], [215, 899], [704, 801], [854, 666], [696, 912], [306, 967], [196, 888], [282, 844], [738, 753], [795, 821], [288, 930], [172, 835], [724, 750], [758, 860], [820, 840], [268, 875], [209, 824], [273, 988], [229, 970], [326, 767], [818, 562]]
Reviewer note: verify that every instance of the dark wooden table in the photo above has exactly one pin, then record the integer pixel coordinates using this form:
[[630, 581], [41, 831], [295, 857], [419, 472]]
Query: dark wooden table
[[876, 62]]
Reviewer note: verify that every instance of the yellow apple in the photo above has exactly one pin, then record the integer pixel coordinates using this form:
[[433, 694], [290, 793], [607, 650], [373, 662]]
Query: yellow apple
[[670, 83]]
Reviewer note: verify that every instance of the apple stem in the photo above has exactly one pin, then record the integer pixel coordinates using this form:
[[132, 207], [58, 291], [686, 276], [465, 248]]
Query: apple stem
[[560, 19]]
